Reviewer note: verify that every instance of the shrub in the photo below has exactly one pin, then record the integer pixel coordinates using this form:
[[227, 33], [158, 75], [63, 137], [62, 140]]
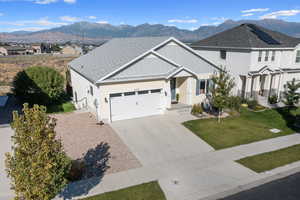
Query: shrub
[[252, 104], [234, 103], [273, 99], [197, 109], [77, 170], [38, 166], [39, 85], [177, 97]]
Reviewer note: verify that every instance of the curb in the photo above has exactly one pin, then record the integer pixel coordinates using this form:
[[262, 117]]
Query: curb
[[252, 184]]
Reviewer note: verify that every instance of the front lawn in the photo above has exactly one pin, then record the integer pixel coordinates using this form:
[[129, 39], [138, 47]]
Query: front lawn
[[246, 128], [147, 191], [61, 108], [270, 160]]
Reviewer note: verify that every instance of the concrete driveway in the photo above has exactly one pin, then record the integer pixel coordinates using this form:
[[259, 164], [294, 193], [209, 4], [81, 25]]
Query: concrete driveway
[[5, 145], [161, 138]]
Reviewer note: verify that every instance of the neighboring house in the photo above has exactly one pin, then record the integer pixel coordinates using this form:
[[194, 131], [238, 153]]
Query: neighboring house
[[36, 48], [262, 61], [135, 77], [15, 50], [72, 50], [3, 51]]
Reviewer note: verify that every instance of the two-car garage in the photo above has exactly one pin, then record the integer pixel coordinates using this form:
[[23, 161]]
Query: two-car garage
[[134, 104]]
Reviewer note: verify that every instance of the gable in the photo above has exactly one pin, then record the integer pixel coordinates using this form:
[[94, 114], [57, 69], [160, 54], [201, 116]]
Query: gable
[[149, 66], [185, 58]]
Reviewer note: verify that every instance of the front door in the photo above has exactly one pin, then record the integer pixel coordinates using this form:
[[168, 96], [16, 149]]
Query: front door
[[173, 89]]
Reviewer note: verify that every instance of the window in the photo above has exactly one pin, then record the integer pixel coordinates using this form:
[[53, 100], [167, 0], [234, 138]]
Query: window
[[209, 85], [298, 57], [156, 91], [200, 87], [143, 92], [115, 95], [259, 56], [129, 93], [91, 90], [223, 54], [273, 55], [267, 56], [75, 95]]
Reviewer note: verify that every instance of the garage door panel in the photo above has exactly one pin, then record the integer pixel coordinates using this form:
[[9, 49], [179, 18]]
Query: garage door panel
[[134, 106]]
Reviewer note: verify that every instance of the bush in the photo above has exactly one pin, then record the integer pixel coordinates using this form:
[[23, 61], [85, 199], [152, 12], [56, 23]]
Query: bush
[[252, 104], [234, 103], [77, 170], [39, 85], [196, 109], [273, 99]]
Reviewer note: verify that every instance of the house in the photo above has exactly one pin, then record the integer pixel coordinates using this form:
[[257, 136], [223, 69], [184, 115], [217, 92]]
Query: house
[[36, 48], [72, 50], [3, 51], [14, 50], [135, 77], [261, 61]]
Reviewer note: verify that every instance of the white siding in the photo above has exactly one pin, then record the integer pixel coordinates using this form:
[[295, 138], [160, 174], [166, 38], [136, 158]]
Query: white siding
[[81, 86]]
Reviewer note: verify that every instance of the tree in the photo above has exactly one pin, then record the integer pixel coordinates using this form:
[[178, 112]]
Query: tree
[[291, 95], [223, 84], [37, 166], [39, 85]]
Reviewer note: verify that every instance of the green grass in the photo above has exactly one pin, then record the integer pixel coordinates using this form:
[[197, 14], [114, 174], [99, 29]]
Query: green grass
[[246, 128], [61, 108], [270, 160], [147, 191]]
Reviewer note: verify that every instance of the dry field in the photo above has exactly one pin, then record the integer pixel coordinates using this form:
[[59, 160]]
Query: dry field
[[11, 65]]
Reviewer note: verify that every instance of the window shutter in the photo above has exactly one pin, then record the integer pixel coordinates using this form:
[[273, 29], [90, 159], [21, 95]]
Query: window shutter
[[197, 87]]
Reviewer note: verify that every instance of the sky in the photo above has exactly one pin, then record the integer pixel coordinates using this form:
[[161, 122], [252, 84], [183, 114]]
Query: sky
[[34, 15]]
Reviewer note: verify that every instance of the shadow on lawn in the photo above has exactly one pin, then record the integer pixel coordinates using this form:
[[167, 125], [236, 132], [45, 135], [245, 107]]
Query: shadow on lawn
[[289, 117], [96, 165]]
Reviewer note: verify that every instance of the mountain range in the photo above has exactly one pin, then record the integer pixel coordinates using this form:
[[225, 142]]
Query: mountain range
[[87, 32]]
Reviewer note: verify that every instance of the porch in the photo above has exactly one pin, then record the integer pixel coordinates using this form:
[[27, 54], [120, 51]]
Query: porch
[[262, 84]]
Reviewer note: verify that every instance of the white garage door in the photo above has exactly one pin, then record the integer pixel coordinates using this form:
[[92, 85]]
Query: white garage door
[[129, 105]]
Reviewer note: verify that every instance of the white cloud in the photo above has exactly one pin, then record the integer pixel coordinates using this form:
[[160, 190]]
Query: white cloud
[[39, 22], [45, 1], [45, 22], [92, 17], [219, 18], [255, 10], [193, 28], [184, 21], [70, 1], [102, 22], [247, 14], [275, 15], [211, 24], [69, 18], [25, 29]]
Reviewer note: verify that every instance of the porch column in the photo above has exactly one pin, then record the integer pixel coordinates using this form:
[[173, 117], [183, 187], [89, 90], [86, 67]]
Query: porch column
[[248, 86], [255, 89], [267, 85], [167, 94]]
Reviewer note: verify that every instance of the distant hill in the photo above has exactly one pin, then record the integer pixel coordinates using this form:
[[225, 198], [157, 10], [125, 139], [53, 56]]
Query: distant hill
[[95, 33]]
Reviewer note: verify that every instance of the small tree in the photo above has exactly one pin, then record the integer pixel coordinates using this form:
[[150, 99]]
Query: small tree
[[223, 84], [39, 85], [291, 95], [37, 166]]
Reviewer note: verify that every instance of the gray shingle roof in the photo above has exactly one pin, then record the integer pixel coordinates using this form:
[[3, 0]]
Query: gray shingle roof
[[112, 55], [249, 36]]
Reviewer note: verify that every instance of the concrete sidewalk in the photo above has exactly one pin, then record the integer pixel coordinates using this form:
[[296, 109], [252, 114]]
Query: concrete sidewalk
[[195, 177]]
